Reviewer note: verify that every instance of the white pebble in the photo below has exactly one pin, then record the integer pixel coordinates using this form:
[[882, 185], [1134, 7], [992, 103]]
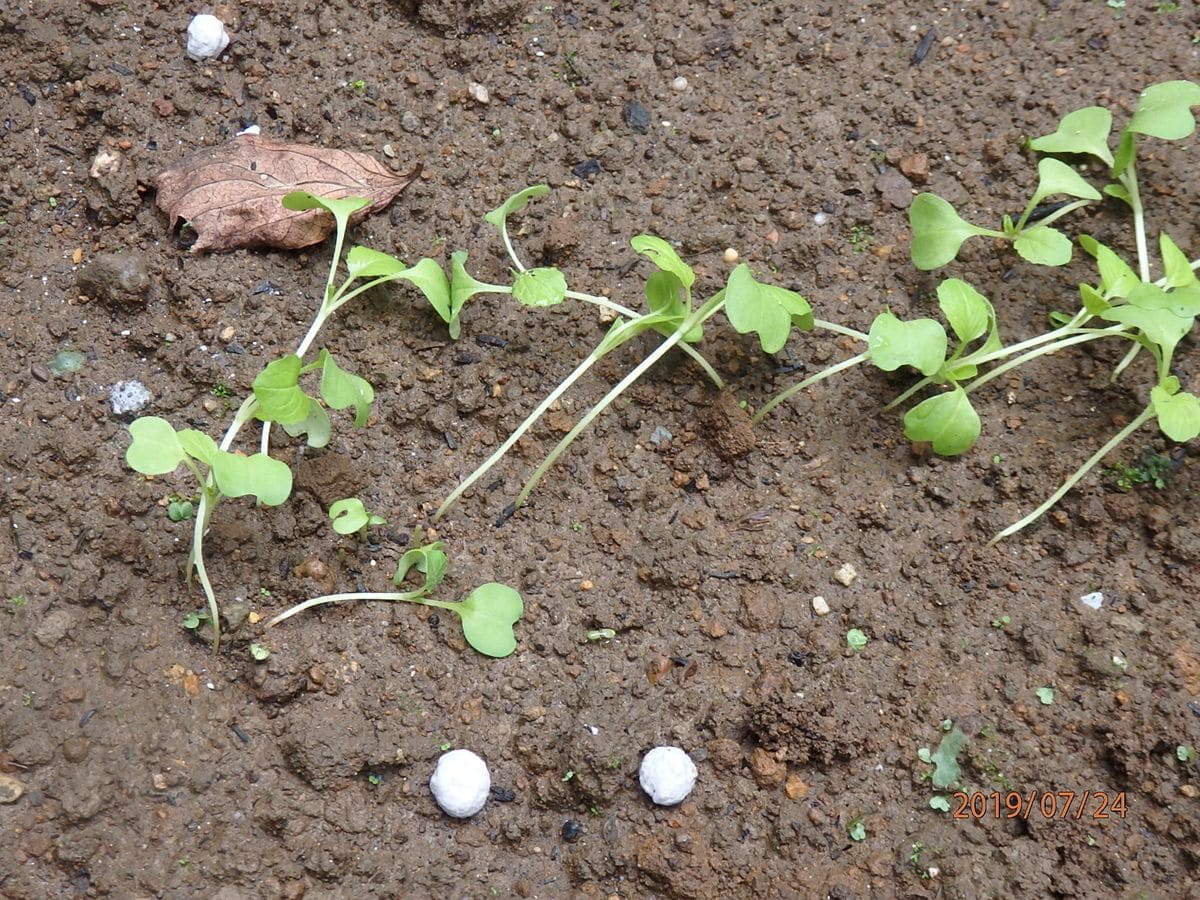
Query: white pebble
[[820, 218], [1095, 599], [128, 396], [668, 775], [460, 783], [679, 84], [478, 92], [206, 37], [820, 606], [730, 256], [846, 574]]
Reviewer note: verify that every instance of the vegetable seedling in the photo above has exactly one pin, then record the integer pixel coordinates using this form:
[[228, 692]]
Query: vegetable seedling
[[349, 516], [1045, 695], [488, 613], [857, 831], [158, 449], [856, 639]]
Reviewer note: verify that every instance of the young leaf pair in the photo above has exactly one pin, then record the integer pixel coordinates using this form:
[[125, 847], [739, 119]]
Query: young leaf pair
[[488, 613]]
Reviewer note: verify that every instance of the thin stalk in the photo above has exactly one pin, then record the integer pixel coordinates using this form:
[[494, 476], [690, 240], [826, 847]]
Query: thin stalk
[[537, 413], [841, 329], [709, 308], [1142, 419], [604, 302], [508, 246], [1078, 338], [1125, 361], [807, 382], [1129, 180], [394, 597]]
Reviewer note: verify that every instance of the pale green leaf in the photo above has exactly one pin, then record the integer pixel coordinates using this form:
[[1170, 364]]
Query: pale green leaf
[[1082, 131], [938, 231], [488, 615], [259, 476], [1177, 270], [1055, 177], [341, 389], [968, 311], [766, 310], [498, 217], [540, 287], [363, 262], [893, 343], [155, 449], [277, 389], [1044, 246], [1178, 414], [1164, 110], [316, 427], [664, 256], [947, 421], [198, 445]]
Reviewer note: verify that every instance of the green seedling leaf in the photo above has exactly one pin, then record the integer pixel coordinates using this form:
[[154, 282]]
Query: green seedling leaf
[[464, 286], [1044, 246], [664, 256], [1082, 131], [488, 614], [156, 449], [198, 445], [968, 311], [316, 426], [1117, 279], [947, 771], [349, 516], [668, 308], [363, 262], [498, 217], [1164, 318], [857, 830], [768, 311], [1126, 151], [540, 287], [341, 209], [429, 560], [948, 422], [1093, 300], [1178, 412], [1164, 110], [1176, 267], [1055, 177], [427, 277], [258, 652], [340, 389], [278, 392], [1045, 695], [941, 803], [1185, 752], [893, 343], [856, 639], [260, 476], [938, 231]]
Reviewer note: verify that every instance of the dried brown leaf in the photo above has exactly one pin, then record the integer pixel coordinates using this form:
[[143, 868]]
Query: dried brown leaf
[[230, 195]]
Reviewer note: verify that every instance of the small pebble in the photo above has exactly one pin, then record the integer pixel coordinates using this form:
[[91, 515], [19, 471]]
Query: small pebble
[[1094, 600], [40, 372], [846, 575], [410, 122], [206, 37], [478, 93], [820, 218], [227, 334], [636, 116], [571, 831], [820, 606], [10, 789], [730, 256], [128, 396], [679, 84]]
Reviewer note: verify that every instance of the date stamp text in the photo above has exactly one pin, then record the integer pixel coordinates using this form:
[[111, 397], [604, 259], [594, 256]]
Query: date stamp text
[[1085, 805]]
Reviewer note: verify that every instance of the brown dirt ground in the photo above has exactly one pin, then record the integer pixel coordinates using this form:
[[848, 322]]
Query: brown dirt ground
[[153, 768]]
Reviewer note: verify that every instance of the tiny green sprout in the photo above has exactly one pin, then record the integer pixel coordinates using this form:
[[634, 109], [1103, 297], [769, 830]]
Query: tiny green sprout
[[219, 389], [1045, 695], [18, 601], [939, 802], [180, 508], [601, 634], [194, 620], [358, 85], [350, 516], [444, 746], [1002, 622], [857, 830], [947, 771], [860, 238], [856, 639], [570, 773], [997, 459], [374, 780], [947, 724], [264, 593], [1185, 753], [258, 652], [924, 755], [576, 526], [53, 201], [914, 858]]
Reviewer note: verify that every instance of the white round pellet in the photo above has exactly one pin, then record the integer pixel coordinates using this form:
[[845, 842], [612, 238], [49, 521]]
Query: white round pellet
[[730, 256], [460, 783], [679, 84], [206, 37], [668, 775]]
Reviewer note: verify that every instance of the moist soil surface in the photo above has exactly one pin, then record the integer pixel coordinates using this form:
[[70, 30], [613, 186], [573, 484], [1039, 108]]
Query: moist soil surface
[[794, 133]]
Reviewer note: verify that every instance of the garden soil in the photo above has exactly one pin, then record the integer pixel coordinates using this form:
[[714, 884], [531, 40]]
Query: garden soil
[[795, 134]]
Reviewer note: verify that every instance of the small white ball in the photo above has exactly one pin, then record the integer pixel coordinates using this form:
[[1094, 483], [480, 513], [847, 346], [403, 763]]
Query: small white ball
[[668, 775], [206, 37], [730, 256], [460, 783], [679, 84]]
